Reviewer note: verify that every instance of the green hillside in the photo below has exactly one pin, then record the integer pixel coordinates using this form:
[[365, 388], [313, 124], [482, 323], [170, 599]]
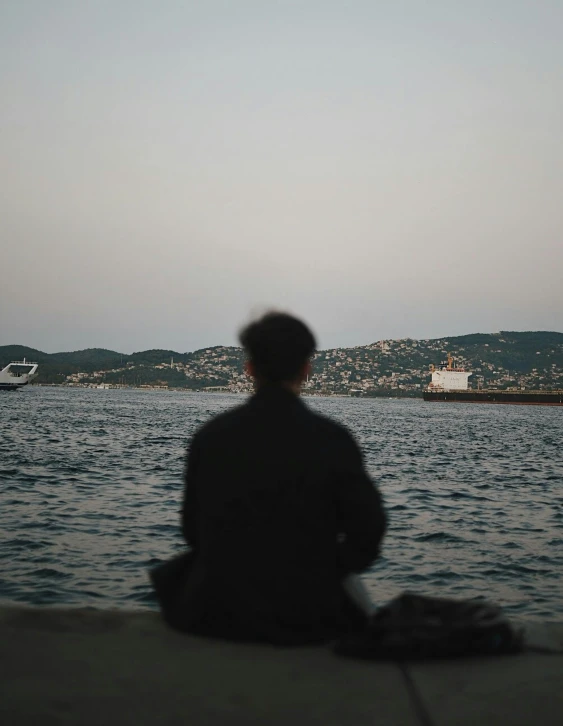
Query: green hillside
[[388, 367], [9, 353]]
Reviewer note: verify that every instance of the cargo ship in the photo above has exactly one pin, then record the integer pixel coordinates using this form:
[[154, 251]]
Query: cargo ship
[[451, 383]]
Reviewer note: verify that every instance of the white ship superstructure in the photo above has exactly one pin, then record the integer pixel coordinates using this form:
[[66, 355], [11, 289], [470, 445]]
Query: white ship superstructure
[[448, 377], [12, 377]]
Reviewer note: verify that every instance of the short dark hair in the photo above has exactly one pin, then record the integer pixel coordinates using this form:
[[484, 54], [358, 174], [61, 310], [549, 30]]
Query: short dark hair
[[278, 346]]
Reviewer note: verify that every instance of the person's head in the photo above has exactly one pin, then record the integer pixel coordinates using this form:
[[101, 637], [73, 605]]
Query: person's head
[[279, 348]]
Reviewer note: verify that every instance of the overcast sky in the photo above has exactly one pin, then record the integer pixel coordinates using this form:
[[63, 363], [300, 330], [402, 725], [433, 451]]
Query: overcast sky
[[383, 169]]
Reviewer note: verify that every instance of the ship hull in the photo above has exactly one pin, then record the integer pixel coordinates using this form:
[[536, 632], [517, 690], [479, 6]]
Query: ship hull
[[12, 386], [524, 398]]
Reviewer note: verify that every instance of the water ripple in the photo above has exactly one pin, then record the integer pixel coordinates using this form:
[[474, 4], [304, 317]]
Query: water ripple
[[90, 495]]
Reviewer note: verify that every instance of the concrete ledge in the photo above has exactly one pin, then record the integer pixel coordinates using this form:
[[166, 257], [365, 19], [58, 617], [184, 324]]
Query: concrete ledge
[[102, 667], [94, 667]]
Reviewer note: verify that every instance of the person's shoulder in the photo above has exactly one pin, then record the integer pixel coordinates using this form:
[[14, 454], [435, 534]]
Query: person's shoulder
[[330, 427], [224, 421], [337, 442]]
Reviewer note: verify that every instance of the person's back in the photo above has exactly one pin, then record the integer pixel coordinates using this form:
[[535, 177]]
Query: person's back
[[278, 508]]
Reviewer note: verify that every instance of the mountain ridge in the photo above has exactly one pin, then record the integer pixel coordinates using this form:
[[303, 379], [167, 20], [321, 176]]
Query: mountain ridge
[[502, 359], [468, 337]]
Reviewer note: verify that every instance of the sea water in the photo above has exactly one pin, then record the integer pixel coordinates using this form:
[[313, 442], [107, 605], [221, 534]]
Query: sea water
[[91, 487]]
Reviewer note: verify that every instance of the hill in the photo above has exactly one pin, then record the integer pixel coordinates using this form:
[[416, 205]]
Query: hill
[[55, 367], [387, 367]]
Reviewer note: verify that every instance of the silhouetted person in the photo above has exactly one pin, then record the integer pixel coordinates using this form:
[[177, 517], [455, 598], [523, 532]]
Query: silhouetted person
[[278, 510]]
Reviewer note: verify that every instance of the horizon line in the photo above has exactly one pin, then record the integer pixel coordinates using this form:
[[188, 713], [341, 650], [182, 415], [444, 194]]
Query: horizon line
[[320, 350]]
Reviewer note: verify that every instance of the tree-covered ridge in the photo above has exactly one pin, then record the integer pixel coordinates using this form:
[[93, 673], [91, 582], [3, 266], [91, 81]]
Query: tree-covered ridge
[[388, 367]]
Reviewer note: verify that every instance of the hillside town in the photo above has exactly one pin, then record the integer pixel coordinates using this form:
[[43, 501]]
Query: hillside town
[[387, 367]]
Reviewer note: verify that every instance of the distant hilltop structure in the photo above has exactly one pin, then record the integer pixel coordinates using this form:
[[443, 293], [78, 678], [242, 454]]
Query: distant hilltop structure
[[449, 377]]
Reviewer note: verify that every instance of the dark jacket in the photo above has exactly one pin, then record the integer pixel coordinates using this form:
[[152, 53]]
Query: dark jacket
[[278, 509]]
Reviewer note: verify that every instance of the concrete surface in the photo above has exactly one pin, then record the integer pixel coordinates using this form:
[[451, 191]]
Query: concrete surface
[[96, 667], [516, 690]]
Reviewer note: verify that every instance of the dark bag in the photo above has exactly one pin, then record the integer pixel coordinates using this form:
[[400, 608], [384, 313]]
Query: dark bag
[[418, 627], [170, 577]]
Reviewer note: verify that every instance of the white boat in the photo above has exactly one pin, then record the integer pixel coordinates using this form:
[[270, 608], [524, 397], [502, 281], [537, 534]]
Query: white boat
[[11, 380]]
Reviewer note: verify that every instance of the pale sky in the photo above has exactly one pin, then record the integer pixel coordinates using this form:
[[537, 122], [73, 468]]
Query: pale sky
[[383, 169]]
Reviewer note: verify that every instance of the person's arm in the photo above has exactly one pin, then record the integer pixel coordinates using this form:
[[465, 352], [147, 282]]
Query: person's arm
[[362, 519], [190, 505]]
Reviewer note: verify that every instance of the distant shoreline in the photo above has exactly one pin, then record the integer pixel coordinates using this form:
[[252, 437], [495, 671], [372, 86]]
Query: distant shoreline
[[386, 368], [306, 394]]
